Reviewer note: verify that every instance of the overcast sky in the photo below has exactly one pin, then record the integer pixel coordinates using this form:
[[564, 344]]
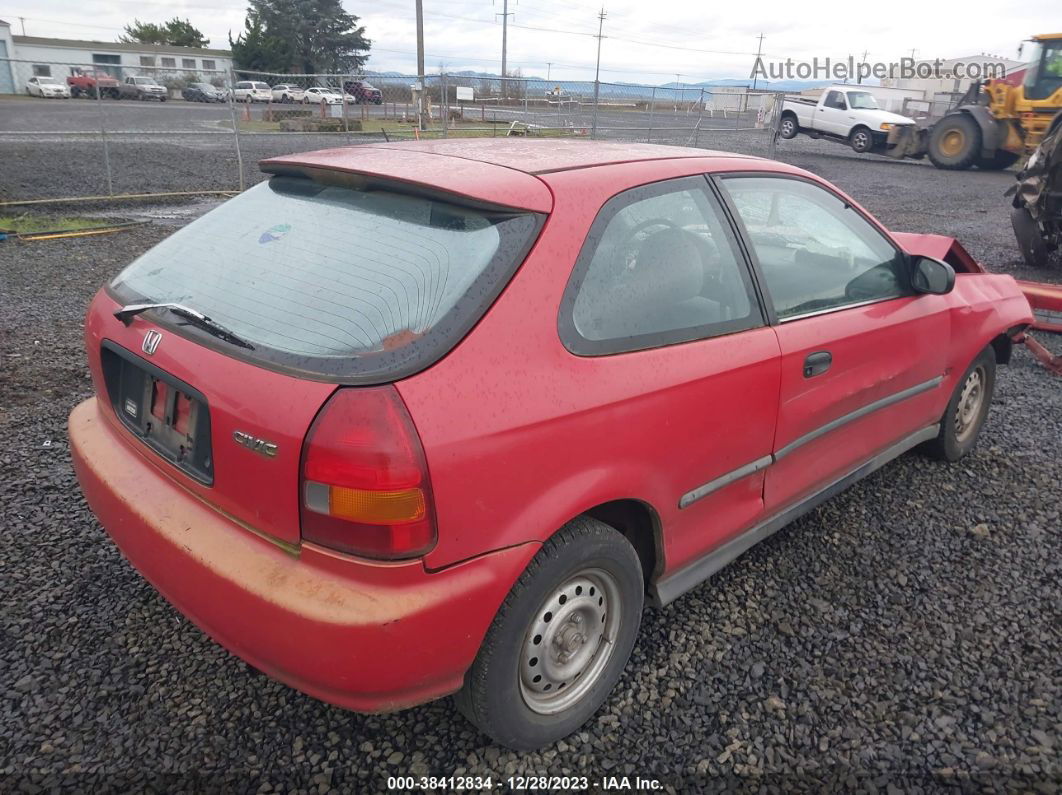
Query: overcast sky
[[646, 41]]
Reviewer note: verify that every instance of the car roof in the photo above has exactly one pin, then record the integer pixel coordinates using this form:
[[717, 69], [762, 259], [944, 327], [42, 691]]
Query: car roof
[[501, 171]]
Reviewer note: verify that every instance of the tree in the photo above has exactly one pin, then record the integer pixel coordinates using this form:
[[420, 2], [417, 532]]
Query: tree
[[175, 33], [256, 50], [307, 36]]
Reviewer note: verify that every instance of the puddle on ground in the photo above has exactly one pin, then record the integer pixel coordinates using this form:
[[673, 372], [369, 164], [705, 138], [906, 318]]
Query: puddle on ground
[[165, 214]]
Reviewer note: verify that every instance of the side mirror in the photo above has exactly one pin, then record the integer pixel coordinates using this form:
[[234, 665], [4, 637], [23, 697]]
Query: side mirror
[[932, 276]]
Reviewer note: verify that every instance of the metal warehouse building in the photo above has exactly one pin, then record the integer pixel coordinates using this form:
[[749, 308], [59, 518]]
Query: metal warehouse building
[[27, 56]]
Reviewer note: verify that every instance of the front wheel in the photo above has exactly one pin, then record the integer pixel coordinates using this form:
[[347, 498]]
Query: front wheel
[[560, 640], [861, 140], [955, 142], [965, 416]]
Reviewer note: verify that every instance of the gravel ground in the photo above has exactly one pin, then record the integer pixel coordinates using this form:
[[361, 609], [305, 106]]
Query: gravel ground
[[905, 636]]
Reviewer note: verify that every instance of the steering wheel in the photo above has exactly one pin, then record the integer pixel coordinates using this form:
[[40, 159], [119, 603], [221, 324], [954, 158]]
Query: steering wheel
[[623, 253]]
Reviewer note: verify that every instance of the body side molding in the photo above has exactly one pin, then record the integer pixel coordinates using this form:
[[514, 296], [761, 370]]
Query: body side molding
[[672, 586]]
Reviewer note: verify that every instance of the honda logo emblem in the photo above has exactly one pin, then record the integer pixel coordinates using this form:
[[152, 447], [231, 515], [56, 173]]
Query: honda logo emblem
[[151, 342]]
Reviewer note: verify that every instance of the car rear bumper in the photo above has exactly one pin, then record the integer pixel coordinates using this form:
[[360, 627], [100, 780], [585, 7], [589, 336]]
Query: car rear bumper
[[370, 637]]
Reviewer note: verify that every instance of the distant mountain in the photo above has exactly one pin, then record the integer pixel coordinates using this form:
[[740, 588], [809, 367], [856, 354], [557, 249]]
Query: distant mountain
[[723, 82]]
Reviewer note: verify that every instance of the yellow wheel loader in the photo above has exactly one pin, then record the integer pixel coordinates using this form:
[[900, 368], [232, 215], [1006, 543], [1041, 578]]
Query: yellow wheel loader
[[997, 122]]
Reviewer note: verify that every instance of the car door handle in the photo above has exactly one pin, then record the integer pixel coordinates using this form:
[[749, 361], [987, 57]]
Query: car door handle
[[817, 363]]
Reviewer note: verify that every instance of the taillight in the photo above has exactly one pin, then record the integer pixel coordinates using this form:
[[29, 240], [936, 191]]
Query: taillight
[[365, 487]]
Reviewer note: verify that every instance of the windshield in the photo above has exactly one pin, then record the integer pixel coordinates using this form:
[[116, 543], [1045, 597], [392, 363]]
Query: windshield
[[47, 81], [862, 100], [260, 85], [144, 81], [355, 283]]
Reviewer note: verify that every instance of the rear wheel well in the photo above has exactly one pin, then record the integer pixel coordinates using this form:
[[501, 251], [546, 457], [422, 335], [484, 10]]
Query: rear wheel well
[[640, 525], [1002, 345]]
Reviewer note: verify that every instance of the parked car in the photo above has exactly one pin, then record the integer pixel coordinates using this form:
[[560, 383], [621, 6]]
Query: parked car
[[848, 114], [518, 388], [322, 95], [47, 87], [287, 92], [141, 88], [84, 83], [203, 92], [364, 93], [252, 91]]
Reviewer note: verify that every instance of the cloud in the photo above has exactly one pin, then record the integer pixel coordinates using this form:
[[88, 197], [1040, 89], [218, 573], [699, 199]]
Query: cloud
[[702, 41]]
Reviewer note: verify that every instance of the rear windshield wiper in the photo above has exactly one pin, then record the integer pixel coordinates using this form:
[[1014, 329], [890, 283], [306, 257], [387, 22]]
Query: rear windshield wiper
[[194, 318]]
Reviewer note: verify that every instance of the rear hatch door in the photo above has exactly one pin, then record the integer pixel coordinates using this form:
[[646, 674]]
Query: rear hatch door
[[308, 283]]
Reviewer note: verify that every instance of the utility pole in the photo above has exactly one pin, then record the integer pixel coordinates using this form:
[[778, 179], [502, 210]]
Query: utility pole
[[23, 21], [505, 36], [597, 72], [549, 66], [759, 52], [420, 65], [859, 76]]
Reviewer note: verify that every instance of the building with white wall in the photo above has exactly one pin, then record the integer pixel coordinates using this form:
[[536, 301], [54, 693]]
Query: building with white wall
[[953, 75], [7, 47], [37, 56]]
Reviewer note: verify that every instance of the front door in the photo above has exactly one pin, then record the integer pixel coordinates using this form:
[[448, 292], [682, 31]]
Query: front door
[[673, 349], [862, 356], [832, 114]]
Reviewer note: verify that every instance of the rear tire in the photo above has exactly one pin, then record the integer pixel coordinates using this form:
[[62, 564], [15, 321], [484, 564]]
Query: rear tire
[[955, 142], [961, 424], [560, 640], [1001, 160], [788, 128], [1030, 239]]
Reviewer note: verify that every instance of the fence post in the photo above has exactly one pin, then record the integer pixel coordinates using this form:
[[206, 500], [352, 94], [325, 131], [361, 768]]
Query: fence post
[[444, 105], [700, 115], [343, 95], [652, 109], [235, 128], [593, 119], [103, 136], [776, 121]]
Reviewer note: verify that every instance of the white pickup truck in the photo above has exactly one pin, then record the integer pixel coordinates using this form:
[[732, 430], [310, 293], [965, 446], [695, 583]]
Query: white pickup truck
[[849, 114]]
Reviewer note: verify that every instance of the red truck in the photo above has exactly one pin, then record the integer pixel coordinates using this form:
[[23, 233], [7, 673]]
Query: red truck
[[83, 83]]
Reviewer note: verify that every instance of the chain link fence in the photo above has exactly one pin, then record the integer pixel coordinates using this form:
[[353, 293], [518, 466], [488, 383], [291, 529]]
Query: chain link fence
[[208, 128]]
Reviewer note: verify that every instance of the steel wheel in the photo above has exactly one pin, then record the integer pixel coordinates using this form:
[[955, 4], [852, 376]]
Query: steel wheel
[[788, 128], [570, 641], [862, 140], [971, 399]]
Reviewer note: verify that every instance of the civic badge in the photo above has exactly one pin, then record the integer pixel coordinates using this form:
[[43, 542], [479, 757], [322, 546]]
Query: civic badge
[[151, 342], [255, 443]]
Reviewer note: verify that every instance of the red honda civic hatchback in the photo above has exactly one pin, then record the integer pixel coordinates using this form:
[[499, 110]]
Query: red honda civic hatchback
[[409, 420]]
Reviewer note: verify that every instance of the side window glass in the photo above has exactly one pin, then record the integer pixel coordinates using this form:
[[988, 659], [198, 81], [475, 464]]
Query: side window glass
[[659, 266], [835, 99], [815, 252]]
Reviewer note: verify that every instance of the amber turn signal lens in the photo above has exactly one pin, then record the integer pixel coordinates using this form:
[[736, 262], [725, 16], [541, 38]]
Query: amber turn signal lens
[[376, 507]]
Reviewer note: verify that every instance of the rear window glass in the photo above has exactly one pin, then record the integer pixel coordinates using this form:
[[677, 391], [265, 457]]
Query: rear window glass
[[352, 284]]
